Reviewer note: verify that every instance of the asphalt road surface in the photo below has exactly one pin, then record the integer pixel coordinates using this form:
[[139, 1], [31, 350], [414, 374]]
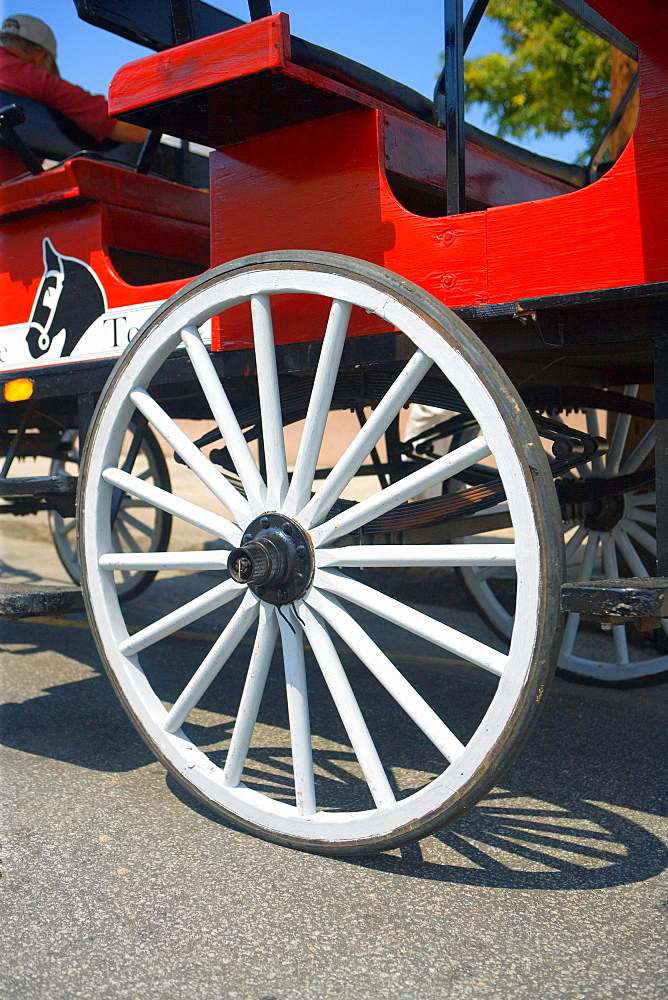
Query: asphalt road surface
[[120, 886]]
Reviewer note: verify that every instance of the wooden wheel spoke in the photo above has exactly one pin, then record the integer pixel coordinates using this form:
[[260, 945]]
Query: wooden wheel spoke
[[621, 643], [642, 499], [171, 504], [619, 435], [200, 606], [643, 516], [413, 621], [121, 532], [573, 544], [225, 417], [196, 561], [205, 471], [385, 671], [589, 561], [647, 541], [360, 448], [298, 714], [249, 706], [133, 522], [597, 464], [642, 450], [629, 552], [385, 500], [487, 555], [347, 707], [484, 573], [583, 573], [570, 633], [208, 670], [319, 405], [611, 570], [270, 401]]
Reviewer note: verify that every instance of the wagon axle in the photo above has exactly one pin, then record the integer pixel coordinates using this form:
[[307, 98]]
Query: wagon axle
[[275, 561]]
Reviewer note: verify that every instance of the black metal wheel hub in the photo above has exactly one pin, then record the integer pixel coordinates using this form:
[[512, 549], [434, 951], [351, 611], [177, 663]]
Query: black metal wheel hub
[[276, 559], [607, 513]]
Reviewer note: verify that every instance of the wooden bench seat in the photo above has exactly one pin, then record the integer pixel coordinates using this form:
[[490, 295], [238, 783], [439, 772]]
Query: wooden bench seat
[[149, 225], [257, 78]]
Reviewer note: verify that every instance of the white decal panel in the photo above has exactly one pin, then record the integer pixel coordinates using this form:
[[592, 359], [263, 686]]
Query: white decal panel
[[106, 337], [70, 320]]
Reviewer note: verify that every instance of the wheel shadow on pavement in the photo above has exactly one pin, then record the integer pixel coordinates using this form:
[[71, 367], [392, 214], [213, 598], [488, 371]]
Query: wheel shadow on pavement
[[508, 841], [78, 722], [556, 823], [511, 842], [13, 574], [560, 819]]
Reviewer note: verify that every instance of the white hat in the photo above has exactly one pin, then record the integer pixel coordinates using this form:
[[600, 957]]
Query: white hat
[[32, 29]]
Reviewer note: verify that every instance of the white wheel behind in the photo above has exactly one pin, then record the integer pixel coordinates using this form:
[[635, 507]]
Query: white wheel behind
[[619, 541], [290, 724], [137, 527]]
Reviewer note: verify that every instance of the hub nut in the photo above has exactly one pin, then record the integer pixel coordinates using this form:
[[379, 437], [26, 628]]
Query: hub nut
[[252, 564]]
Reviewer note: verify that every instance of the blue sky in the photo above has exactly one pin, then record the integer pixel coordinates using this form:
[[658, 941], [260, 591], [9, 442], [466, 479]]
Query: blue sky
[[400, 38]]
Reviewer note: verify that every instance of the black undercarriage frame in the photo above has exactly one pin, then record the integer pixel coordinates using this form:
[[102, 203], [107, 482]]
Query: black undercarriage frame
[[546, 345]]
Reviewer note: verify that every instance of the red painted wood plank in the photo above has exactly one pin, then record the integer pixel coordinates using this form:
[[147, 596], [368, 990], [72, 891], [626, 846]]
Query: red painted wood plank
[[155, 195], [417, 150], [636, 19], [251, 48], [77, 232], [30, 193], [321, 186], [104, 182], [612, 233], [127, 229]]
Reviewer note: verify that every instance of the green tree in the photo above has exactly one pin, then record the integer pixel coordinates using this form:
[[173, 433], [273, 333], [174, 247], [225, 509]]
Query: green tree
[[553, 78]]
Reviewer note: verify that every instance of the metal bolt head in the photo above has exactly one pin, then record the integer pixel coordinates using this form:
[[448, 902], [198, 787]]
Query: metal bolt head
[[301, 551], [299, 577], [264, 521], [287, 527]]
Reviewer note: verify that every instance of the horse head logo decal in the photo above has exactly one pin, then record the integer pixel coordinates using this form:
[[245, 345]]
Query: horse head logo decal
[[69, 300]]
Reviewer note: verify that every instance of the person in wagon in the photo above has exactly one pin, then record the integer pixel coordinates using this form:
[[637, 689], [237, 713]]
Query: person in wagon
[[28, 69]]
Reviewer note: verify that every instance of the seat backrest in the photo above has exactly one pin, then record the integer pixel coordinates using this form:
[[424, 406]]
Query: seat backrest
[[151, 22], [50, 134]]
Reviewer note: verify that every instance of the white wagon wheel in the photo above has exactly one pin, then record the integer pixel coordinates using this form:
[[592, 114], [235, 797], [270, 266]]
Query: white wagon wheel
[[617, 541], [289, 552], [138, 527]]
